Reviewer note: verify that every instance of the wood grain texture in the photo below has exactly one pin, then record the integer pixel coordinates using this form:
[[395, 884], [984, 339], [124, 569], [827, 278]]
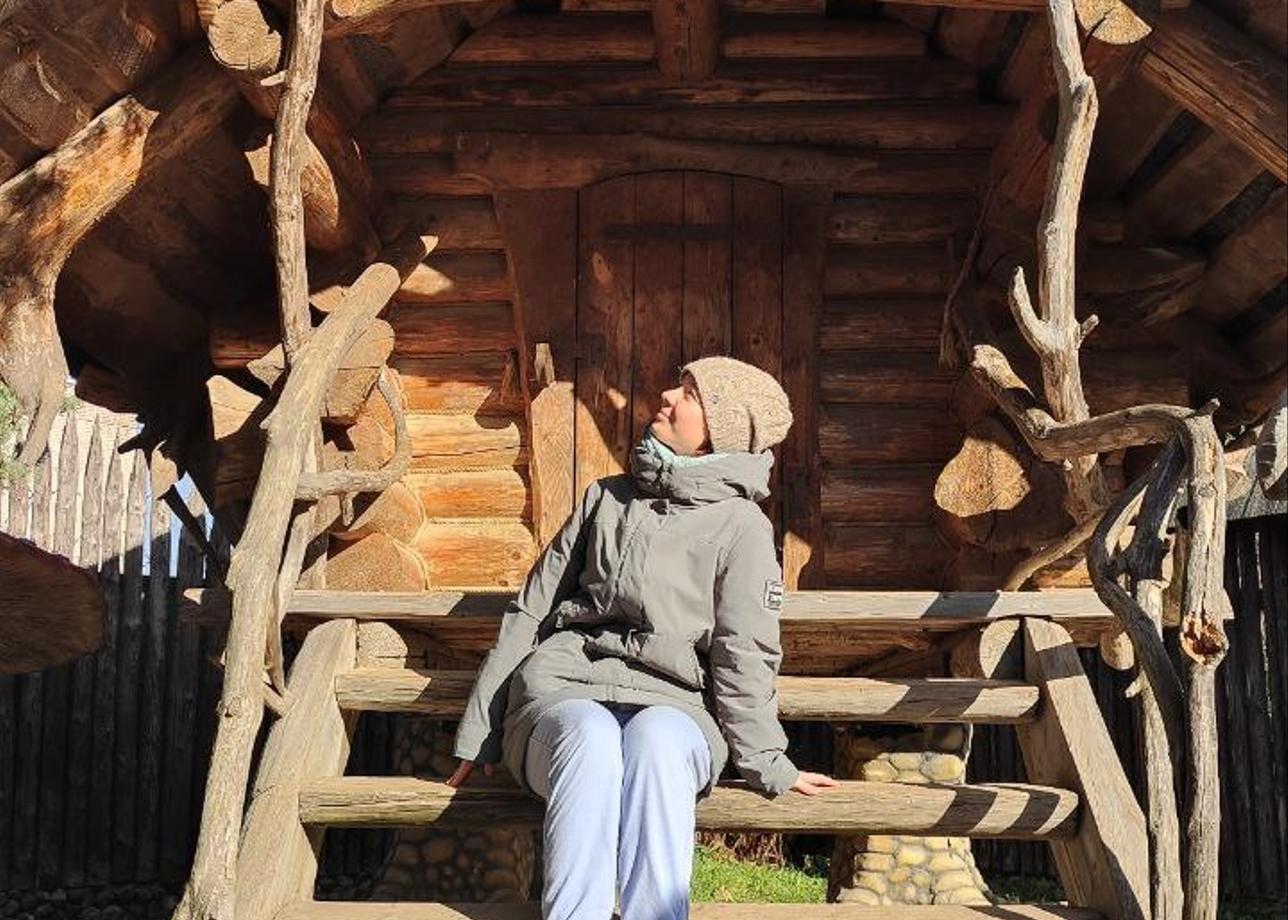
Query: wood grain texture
[[916, 125], [540, 230], [1188, 57], [605, 332], [277, 860], [574, 161], [734, 83], [805, 212], [361, 910], [854, 807], [824, 699], [1105, 866]]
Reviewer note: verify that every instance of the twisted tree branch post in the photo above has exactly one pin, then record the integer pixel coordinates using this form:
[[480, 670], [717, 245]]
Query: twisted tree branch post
[[1056, 334], [1164, 739], [1190, 734], [253, 574], [314, 486], [1204, 608], [1068, 435]]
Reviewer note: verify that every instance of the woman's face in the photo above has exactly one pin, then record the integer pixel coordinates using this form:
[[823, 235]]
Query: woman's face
[[680, 423]]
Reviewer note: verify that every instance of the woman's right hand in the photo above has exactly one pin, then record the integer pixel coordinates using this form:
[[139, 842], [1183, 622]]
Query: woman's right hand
[[813, 783], [464, 770]]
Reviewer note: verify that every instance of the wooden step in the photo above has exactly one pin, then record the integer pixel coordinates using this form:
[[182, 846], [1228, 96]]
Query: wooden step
[[825, 699], [368, 910], [1004, 810], [1078, 610]]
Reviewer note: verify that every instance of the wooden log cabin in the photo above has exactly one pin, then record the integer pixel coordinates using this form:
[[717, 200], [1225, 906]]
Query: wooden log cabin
[[596, 191]]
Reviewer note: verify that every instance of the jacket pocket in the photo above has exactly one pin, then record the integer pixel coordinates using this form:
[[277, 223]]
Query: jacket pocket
[[554, 664], [671, 654]]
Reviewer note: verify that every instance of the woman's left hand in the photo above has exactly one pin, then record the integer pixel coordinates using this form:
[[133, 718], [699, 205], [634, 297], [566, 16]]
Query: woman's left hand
[[813, 783]]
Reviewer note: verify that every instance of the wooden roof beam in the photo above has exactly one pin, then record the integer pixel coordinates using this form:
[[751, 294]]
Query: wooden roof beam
[[245, 36], [48, 208], [1225, 78], [687, 33], [347, 17]]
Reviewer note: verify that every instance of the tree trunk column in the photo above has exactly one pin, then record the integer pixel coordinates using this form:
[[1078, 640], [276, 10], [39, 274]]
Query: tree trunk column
[[433, 865], [878, 870]]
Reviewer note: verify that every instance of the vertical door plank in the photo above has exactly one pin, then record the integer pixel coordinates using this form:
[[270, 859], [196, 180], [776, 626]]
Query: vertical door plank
[[806, 211], [659, 285], [605, 289], [707, 204], [756, 308], [539, 228]]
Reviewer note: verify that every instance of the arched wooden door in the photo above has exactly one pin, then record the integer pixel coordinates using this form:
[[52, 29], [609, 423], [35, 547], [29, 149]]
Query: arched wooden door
[[672, 266]]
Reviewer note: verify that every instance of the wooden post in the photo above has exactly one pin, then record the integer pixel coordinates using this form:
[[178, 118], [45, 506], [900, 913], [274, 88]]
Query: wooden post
[[1106, 864], [806, 210], [277, 862], [253, 573], [540, 232]]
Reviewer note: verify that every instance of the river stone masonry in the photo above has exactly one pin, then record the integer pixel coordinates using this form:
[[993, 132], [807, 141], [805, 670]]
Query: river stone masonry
[[882, 870], [434, 865]]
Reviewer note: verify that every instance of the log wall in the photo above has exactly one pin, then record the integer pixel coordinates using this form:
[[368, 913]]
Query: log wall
[[885, 424]]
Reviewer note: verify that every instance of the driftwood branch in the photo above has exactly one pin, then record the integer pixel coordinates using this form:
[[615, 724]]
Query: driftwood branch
[[253, 575], [1162, 728], [1055, 334], [1049, 554], [1179, 724], [290, 431], [286, 164]]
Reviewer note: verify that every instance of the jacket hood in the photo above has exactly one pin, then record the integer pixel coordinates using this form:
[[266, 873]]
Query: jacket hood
[[717, 477]]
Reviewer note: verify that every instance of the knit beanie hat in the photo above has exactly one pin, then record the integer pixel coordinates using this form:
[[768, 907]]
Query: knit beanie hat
[[746, 408]]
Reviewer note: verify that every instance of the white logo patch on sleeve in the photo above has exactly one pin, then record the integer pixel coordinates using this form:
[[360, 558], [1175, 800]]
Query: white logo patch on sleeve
[[773, 598]]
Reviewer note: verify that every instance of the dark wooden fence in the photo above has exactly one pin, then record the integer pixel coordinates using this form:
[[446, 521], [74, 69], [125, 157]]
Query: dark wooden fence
[[103, 760]]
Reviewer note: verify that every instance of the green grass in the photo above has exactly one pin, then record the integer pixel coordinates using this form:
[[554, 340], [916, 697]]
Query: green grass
[[719, 878]]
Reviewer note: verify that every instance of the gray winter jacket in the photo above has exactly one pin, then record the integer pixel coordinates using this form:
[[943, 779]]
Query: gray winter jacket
[[663, 587]]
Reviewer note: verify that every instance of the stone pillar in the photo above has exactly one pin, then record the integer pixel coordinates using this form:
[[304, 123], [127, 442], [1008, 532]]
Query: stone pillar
[[431, 865], [881, 870]]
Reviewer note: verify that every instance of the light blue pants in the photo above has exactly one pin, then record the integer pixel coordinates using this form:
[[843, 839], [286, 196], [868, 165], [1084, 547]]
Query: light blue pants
[[620, 784]]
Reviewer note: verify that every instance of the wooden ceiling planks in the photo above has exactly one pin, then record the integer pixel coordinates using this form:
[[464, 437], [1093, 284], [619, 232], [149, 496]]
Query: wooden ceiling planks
[[1265, 20], [1248, 264], [1191, 188]]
